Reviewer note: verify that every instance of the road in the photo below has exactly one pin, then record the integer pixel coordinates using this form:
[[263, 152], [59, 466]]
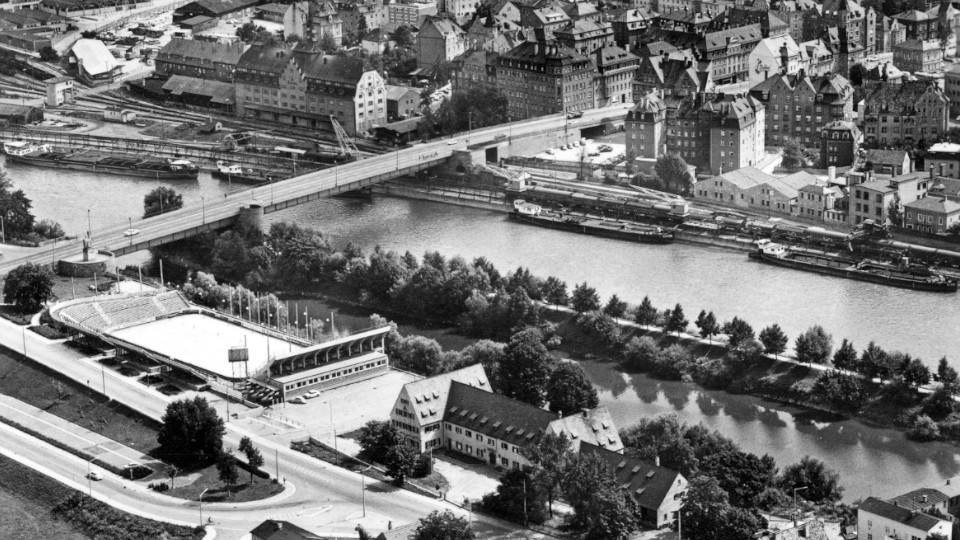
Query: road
[[321, 497], [326, 182]]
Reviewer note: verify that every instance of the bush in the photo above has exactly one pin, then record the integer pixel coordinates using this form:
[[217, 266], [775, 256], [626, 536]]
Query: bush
[[641, 353], [159, 487], [423, 467], [923, 429]]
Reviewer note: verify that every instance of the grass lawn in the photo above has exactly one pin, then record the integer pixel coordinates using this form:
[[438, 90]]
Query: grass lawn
[[33, 384], [241, 492], [26, 498]]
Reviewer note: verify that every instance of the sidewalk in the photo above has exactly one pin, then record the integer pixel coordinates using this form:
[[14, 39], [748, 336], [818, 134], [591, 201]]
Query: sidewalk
[[74, 436]]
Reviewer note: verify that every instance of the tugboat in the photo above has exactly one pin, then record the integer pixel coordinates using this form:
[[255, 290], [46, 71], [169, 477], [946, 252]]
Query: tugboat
[[904, 275], [533, 214], [235, 172], [45, 155]]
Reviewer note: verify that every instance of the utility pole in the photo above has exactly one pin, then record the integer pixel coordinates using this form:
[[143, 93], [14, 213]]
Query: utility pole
[[201, 505]]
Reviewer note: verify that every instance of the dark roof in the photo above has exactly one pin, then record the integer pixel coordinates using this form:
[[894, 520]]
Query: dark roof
[[923, 498], [10, 109], [745, 34], [269, 58], [647, 484], [899, 514], [886, 157], [326, 67], [217, 91], [541, 53], [221, 7], [495, 415], [282, 530], [228, 53]]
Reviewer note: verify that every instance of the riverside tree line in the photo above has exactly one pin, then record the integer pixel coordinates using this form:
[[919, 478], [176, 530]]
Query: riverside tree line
[[509, 314]]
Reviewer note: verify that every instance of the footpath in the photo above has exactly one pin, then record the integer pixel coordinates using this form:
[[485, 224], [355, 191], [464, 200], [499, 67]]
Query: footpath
[[69, 435]]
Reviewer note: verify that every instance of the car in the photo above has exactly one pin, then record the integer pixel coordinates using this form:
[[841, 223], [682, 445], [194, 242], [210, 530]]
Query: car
[[131, 232], [573, 115], [605, 148], [593, 154], [550, 151], [311, 394], [452, 142], [299, 400], [94, 475], [132, 465]]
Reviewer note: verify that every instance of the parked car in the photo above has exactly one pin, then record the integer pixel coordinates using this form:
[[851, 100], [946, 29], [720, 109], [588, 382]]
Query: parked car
[[131, 232], [299, 400], [311, 394], [573, 115]]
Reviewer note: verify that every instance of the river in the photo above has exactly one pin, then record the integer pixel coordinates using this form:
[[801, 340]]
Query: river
[[870, 459]]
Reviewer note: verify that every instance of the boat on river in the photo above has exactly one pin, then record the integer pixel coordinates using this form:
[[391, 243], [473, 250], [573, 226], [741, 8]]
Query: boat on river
[[904, 275], [533, 214], [235, 172], [96, 161]]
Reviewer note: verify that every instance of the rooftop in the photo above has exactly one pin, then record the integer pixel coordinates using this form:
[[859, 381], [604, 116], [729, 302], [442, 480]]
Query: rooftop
[[647, 484], [899, 514]]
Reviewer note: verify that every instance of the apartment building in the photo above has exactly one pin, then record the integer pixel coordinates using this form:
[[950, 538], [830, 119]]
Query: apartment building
[[858, 23], [585, 36], [872, 199], [717, 133], [645, 128], [305, 87], [916, 56], [877, 519], [628, 25], [919, 25], [615, 71], [797, 105], [410, 14], [440, 40], [951, 87], [675, 73], [475, 68], [314, 20], [944, 159], [729, 52], [791, 12], [199, 59], [544, 77], [839, 142], [904, 113]]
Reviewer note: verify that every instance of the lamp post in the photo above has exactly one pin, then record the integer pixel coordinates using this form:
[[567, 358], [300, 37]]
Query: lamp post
[[795, 490], [89, 480], [363, 489], [203, 209], [201, 505]]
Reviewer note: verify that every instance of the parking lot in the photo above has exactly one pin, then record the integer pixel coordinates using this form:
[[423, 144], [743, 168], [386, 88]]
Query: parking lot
[[592, 151], [349, 407]]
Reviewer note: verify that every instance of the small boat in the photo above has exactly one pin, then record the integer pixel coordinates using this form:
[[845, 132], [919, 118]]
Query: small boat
[[234, 172], [535, 215], [904, 275], [89, 160]]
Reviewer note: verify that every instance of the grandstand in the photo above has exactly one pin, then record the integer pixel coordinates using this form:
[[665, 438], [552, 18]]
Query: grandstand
[[164, 328]]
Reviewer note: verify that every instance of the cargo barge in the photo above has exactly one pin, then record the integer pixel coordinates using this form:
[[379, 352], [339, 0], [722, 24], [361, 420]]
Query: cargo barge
[[530, 213], [44, 155], [904, 275], [234, 172]]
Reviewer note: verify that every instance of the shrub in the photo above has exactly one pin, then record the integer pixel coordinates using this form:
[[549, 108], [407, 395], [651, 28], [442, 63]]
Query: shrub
[[923, 429], [641, 353]]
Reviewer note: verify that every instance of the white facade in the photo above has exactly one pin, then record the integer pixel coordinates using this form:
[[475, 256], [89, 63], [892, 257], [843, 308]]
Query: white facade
[[874, 527]]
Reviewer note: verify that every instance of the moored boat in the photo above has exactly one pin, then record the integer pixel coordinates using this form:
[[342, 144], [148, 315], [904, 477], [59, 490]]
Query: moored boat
[[904, 275], [234, 172], [535, 215], [45, 155]]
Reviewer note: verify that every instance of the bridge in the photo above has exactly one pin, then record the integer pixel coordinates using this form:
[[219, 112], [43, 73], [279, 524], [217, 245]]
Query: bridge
[[210, 215]]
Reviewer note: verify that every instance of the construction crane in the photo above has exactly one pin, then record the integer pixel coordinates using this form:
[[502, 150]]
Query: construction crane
[[347, 147]]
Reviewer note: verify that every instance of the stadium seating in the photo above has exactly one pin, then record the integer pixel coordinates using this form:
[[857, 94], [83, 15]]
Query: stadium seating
[[117, 312]]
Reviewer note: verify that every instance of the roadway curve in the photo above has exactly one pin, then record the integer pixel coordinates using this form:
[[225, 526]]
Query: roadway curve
[[326, 181], [323, 497]]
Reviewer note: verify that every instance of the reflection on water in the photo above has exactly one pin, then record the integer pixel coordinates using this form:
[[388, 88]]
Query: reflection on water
[[870, 459]]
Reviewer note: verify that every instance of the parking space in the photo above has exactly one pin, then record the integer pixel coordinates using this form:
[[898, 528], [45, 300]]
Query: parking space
[[599, 153], [350, 407]]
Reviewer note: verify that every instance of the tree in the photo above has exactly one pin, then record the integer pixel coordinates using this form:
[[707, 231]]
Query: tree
[[252, 33], [923, 429], [48, 229], [614, 517], [822, 483], [773, 340], [160, 201], [794, 155], [584, 299], [569, 390], [329, 43], [844, 392], [874, 363], [814, 346], [707, 323], [525, 370], [708, 513], [588, 476], [377, 438], [445, 526], [895, 212], [227, 469], [49, 54], [404, 37], [400, 461], [737, 331], [254, 457], [677, 321], [947, 375], [521, 496], [28, 286], [846, 356], [673, 172], [14, 209], [615, 307], [551, 455], [555, 292], [191, 433], [915, 373], [857, 72], [645, 314]]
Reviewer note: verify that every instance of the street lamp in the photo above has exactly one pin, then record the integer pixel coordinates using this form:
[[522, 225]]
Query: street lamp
[[203, 202], [363, 489], [795, 490], [201, 505]]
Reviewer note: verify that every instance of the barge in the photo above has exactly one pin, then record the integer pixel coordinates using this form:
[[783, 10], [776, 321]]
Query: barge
[[234, 172], [44, 155], [525, 212], [904, 275]]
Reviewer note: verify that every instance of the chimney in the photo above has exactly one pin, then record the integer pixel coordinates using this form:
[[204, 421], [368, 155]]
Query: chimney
[[931, 171], [656, 460], [923, 499], [831, 174]]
